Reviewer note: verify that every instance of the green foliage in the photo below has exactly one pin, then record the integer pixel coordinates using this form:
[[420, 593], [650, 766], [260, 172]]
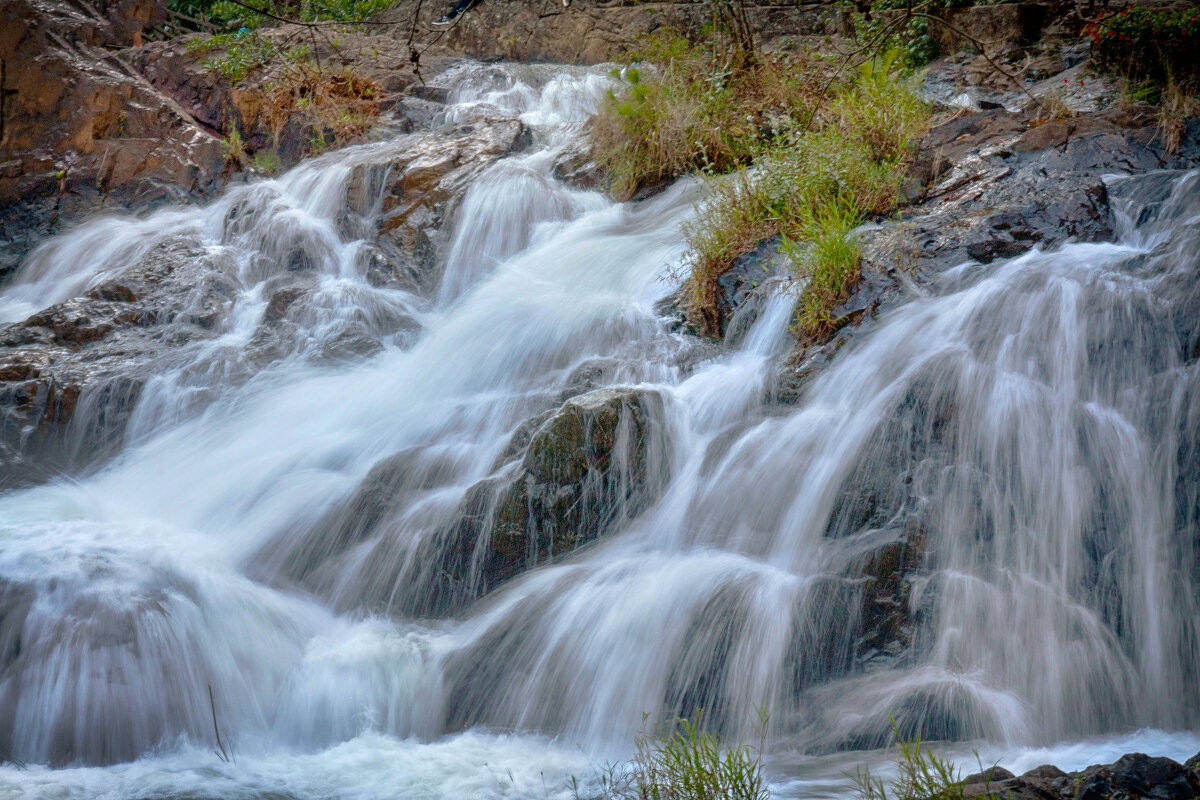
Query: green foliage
[[1136, 23], [235, 147], [241, 53], [830, 260], [683, 106], [266, 162], [688, 763], [232, 16], [1151, 44], [913, 40], [922, 775], [812, 187]]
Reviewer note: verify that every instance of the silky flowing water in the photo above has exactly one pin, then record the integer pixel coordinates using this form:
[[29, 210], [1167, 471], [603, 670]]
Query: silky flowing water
[[1035, 420]]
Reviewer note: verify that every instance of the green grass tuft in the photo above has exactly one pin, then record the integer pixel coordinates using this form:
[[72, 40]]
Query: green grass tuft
[[922, 775], [688, 763]]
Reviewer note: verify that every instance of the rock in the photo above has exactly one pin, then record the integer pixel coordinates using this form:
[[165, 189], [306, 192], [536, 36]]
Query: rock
[[990, 775], [424, 181], [1051, 134], [599, 460], [737, 293], [885, 573], [988, 251], [595, 31], [1046, 772], [72, 374], [1159, 778], [81, 127]]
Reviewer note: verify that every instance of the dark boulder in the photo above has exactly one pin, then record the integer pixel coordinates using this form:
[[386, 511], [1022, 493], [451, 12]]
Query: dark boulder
[[599, 460]]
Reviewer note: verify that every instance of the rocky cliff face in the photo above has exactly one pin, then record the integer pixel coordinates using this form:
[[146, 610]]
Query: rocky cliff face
[[81, 124]]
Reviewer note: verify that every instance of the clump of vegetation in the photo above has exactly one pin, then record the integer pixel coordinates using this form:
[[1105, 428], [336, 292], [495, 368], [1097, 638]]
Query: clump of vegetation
[[337, 105], [1148, 44], [921, 775], [235, 54], [683, 106], [1177, 103], [228, 16], [828, 148], [907, 26], [282, 85], [813, 187], [266, 162], [688, 763]]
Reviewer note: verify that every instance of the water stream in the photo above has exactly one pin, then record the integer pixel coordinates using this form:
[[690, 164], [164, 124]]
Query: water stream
[[1023, 440]]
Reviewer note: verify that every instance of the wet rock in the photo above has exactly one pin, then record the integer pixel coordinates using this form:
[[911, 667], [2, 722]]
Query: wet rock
[[600, 459], [1039, 183], [72, 374], [419, 188], [886, 572], [990, 775]]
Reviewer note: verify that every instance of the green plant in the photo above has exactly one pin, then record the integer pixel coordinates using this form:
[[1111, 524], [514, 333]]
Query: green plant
[[914, 39], [1147, 43], [242, 53], [688, 763], [1177, 103], [811, 187], [682, 106], [235, 148], [232, 16], [921, 775], [266, 162], [828, 262]]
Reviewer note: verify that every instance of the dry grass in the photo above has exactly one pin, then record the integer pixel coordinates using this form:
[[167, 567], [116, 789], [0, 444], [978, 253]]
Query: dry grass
[[1179, 102], [336, 106]]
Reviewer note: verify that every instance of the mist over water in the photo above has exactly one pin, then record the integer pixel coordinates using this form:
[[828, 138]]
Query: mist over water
[[1025, 437]]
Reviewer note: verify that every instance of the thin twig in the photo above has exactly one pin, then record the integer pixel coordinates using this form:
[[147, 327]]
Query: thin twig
[[882, 34], [983, 51], [213, 705]]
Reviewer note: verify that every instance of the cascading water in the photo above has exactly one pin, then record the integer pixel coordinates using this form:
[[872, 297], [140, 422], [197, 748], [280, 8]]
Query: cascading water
[[980, 521]]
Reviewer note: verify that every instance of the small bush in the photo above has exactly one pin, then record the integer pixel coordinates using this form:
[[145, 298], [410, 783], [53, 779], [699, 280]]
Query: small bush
[[830, 262], [241, 53], [1146, 43], [682, 106], [233, 16]]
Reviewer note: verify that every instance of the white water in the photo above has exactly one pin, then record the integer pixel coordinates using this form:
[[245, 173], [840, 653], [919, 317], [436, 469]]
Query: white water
[[1025, 420]]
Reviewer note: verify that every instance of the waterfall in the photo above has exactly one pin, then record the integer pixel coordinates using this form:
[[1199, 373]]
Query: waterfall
[[979, 521]]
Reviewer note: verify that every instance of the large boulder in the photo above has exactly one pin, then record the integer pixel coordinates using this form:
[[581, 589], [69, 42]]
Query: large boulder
[[600, 460]]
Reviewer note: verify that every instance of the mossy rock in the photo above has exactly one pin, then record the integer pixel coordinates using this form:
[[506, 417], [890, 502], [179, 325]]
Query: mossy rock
[[600, 460]]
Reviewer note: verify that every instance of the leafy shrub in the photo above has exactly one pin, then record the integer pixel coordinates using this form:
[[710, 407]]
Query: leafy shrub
[[233, 16], [241, 54], [692, 109], [1146, 43]]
